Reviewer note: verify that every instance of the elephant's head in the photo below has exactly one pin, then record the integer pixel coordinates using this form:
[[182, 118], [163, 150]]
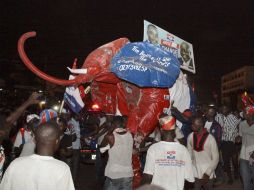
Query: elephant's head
[[97, 63]]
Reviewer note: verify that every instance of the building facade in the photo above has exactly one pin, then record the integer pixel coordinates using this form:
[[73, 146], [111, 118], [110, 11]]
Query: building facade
[[235, 83]]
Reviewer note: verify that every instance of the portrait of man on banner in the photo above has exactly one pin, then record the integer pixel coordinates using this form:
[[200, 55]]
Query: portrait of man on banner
[[181, 49]]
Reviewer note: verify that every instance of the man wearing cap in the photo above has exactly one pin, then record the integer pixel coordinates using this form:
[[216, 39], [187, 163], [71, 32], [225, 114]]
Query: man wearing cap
[[29, 147], [204, 153], [168, 163], [246, 135], [24, 135], [47, 115]]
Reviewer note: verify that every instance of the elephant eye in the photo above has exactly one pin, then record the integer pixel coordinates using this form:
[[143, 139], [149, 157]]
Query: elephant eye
[[128, 89]]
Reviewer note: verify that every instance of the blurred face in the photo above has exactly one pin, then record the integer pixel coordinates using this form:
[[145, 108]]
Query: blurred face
[[225, 110], [62, 127], [109, 118], [197, 125], [66, 116], [116, 124], [210, 114], [152, 34], [249, 117], [185, 52]]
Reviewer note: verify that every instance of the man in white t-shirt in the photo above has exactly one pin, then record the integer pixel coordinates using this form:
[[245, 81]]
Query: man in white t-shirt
[[40, 171], [204, 153], [168, 163], [246, 132]]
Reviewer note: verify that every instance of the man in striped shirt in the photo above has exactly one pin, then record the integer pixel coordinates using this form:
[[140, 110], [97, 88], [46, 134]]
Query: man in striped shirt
[[229, 124]]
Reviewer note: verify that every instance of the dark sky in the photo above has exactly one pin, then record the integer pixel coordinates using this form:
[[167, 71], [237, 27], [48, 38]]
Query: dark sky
[[221, 31]]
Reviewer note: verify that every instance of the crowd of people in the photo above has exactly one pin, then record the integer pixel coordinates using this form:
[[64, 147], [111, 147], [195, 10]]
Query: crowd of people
[[193, 153]]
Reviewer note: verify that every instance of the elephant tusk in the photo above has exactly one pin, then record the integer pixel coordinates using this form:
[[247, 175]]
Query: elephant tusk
[[77, 71]]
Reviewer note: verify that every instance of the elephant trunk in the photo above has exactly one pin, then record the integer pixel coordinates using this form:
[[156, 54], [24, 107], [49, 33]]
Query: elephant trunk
[[34, 69]]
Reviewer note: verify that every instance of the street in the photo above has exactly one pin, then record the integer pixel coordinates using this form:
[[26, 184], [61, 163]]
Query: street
[[87, 180]]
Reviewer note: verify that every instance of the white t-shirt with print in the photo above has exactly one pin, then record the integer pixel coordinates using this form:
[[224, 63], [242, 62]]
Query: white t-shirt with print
[[37, 172], [170, 164]]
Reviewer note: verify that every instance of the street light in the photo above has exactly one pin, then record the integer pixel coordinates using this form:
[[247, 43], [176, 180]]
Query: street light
[[56, 107]]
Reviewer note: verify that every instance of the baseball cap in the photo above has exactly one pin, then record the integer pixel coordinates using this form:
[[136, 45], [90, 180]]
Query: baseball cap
[[30, 117], [249, 110], [47, 115], [167, 123]]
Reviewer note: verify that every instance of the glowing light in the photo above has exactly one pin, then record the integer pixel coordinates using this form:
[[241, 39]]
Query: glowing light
[[43, 102], [1, 89], [95, 107], [40, 91], [56, 108]]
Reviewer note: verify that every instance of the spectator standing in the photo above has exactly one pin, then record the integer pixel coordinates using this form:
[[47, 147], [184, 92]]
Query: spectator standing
[[204, 153], [29, 147], [74, 125], [246, 135], [214, 128], [40, 171], [229, 124], [6, 124], [65, 151], [168, 163], [119, 171]]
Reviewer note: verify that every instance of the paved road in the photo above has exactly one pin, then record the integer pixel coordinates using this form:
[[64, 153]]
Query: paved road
[[87, 180]]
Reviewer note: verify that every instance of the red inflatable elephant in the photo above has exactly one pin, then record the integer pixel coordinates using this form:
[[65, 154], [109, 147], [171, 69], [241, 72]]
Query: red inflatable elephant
[[141, 105]]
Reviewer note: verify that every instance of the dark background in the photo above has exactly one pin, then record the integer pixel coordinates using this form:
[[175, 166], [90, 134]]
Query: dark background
[[221, 31]]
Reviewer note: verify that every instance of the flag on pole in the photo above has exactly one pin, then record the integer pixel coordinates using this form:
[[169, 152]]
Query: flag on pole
[[73, 98]]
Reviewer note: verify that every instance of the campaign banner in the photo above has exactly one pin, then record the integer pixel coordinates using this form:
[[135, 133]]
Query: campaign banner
[[146, 65], [180, 48], [73, 98]]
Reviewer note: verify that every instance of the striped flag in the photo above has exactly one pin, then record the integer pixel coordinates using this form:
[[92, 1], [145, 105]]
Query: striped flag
[[73, 98]]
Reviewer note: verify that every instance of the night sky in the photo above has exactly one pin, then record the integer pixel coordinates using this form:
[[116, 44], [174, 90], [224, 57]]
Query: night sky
[[221, 31]]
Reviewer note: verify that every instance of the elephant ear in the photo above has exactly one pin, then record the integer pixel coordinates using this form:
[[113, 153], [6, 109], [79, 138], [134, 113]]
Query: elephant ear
[[146, 65], [98, 61]]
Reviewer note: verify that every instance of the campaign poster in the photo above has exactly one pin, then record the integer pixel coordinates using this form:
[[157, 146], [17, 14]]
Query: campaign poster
[[181, 49]]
